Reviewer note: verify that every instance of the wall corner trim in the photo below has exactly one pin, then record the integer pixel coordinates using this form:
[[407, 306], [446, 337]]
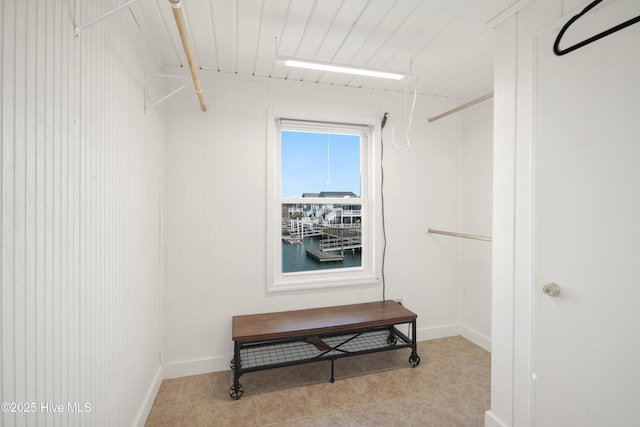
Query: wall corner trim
[[490, 420], [149, 398], [476, 337]]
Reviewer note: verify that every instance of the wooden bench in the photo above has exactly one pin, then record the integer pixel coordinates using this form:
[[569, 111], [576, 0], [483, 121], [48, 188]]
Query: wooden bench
[[273, 340]]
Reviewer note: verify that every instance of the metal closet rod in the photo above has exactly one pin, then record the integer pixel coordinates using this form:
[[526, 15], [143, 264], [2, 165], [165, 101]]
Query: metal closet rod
[[176, 6], [461, 107], [463, 235]]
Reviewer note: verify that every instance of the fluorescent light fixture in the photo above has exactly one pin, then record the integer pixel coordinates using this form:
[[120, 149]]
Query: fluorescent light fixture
[[335, 68]]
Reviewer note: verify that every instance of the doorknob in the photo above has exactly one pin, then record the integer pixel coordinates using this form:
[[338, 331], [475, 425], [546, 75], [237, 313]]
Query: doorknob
[[551, 289]]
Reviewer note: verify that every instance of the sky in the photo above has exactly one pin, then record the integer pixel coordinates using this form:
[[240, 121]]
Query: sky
[[315, 162]]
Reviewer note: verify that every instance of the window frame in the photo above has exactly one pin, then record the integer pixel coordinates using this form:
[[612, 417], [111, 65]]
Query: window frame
[[369, 272]]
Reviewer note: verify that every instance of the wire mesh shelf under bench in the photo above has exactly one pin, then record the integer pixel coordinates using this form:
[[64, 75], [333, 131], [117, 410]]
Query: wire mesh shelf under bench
[[273, 340]]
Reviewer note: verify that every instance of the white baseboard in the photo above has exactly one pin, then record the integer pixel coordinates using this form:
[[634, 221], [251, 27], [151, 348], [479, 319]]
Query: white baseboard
[[195, 367], [476, 337], [436, 332], [490, 420], [453, 331], [149, 398]]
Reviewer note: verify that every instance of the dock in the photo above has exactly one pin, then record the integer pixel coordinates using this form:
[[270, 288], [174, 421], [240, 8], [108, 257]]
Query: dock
[[321, 256], [292, 240]]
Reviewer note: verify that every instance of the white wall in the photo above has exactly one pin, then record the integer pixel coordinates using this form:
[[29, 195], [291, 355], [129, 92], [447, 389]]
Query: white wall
[[79, 225], [214, 202], [476, 180]]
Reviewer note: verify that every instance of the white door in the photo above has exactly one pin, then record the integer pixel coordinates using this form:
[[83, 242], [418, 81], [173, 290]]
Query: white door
[[587, 228]]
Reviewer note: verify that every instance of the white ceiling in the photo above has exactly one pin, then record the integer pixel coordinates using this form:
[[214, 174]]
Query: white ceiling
[[445, 45]]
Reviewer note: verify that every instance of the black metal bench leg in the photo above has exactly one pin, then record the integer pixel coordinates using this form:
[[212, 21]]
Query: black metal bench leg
[[414, 359], [332, 379], [236, 390]]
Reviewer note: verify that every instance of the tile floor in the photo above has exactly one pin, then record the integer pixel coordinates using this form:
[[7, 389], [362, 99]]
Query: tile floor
[[449, 388]]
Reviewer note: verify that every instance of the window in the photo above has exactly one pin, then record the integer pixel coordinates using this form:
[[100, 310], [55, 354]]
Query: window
[[320, 207]]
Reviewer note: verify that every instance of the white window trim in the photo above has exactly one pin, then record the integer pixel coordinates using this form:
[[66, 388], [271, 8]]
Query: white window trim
[[370, 271]]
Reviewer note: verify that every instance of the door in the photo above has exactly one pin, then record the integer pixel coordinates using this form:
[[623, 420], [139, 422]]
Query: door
[[587, 228]]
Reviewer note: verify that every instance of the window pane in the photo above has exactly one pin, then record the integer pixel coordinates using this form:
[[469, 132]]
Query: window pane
[[313, 163], [321, 204], [320, 236]]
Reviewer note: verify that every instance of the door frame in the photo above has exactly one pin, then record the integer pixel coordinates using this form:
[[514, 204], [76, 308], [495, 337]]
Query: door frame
[[513, 289]]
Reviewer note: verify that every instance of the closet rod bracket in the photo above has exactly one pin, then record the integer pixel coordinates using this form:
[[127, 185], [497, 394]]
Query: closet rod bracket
[[126, 5], [165, 97], [462, 235], [461, 107]]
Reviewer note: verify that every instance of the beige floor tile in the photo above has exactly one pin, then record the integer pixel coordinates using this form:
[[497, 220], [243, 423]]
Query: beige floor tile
[[373, 415], [335, 419], [283, 406], [326, 398], [449, 388]]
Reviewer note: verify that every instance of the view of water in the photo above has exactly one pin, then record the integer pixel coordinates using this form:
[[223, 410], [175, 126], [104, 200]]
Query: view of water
[[295, 258]]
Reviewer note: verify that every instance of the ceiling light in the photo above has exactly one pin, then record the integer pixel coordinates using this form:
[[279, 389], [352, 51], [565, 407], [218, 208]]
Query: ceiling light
[[336, 68]]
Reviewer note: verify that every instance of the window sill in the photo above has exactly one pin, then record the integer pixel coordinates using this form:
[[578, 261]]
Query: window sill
[[316, 283]]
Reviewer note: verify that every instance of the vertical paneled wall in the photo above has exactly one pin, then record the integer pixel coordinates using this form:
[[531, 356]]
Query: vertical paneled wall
[[80, 218]]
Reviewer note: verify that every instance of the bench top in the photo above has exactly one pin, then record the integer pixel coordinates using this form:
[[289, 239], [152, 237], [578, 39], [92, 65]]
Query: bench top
[[316, 321]]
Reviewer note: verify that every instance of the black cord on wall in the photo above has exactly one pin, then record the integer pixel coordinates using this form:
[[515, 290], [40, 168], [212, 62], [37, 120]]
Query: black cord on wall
[[384, 228]]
